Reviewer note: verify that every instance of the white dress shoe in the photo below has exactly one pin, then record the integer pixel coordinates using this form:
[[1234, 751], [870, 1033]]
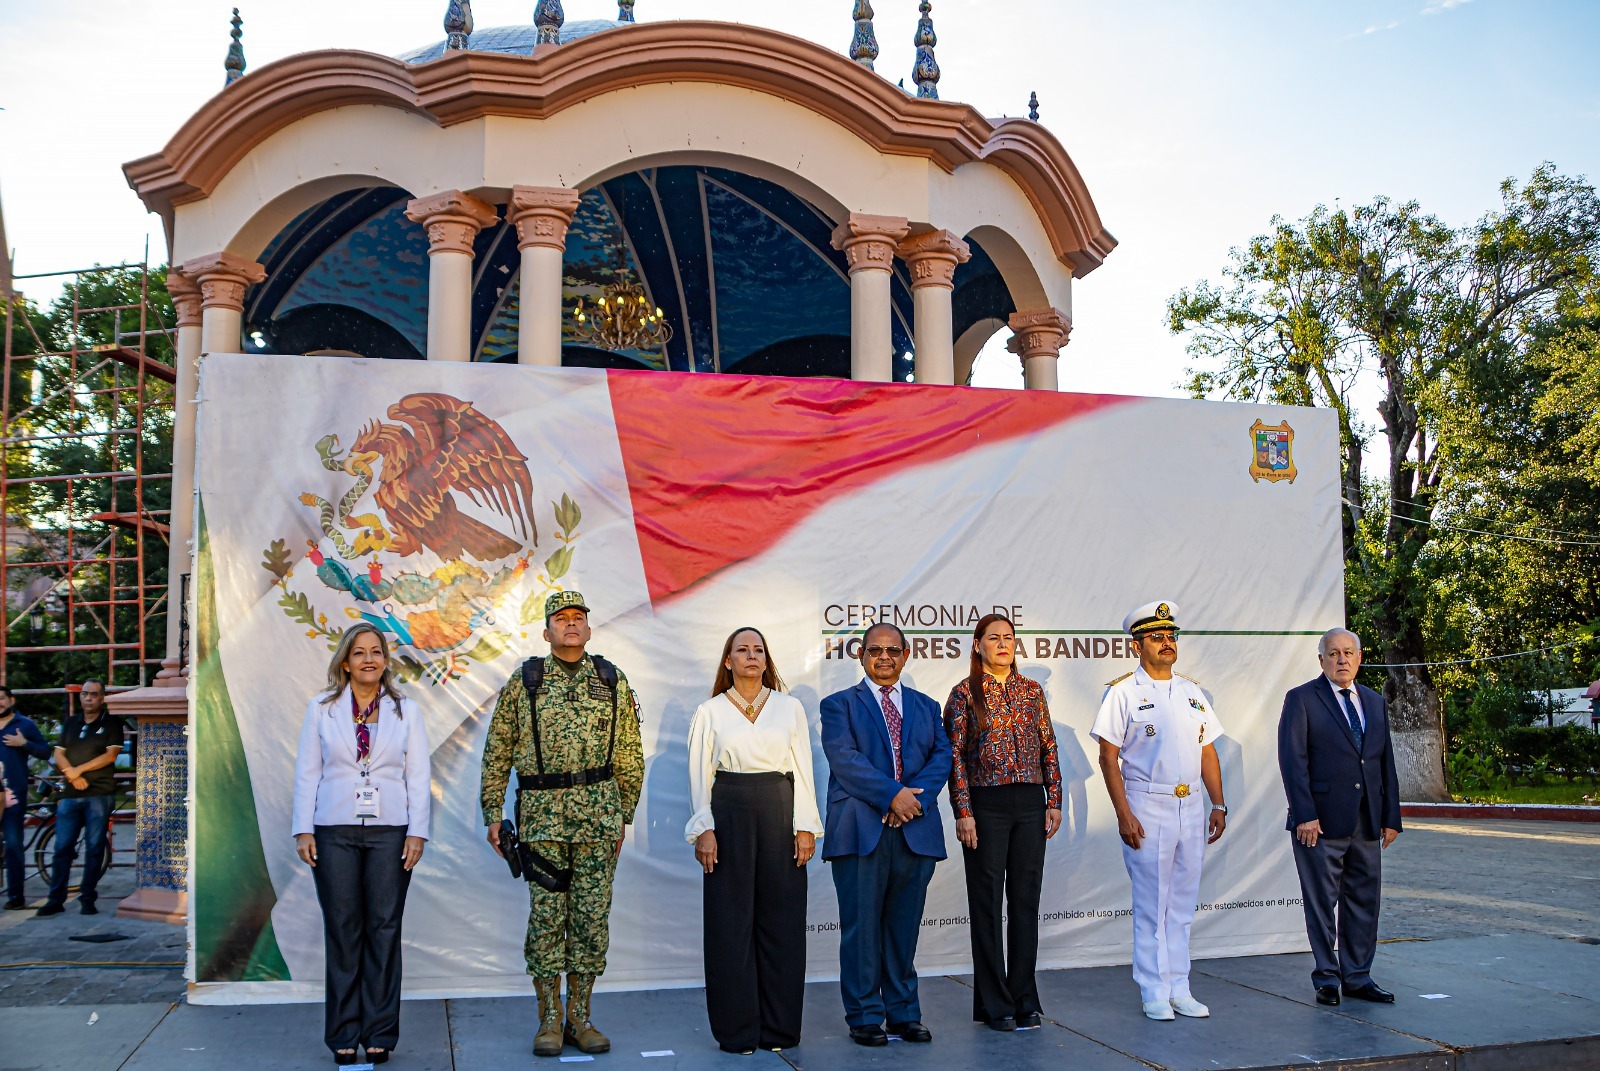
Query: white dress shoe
[[1190, 1007], [1160, 1010]]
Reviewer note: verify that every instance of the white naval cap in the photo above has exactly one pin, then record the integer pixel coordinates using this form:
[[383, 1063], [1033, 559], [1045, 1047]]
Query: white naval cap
[[1151, 616]]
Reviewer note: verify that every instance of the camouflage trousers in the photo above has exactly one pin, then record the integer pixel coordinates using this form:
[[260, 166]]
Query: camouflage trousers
[[570, 932]]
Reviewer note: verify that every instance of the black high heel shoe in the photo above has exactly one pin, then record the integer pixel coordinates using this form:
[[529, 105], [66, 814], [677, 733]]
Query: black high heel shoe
[[377, 1056], [343, 1058]]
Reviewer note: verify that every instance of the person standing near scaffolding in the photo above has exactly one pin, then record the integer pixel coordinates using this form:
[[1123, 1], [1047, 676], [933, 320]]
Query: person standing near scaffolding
[[90, 743], [22, 740]]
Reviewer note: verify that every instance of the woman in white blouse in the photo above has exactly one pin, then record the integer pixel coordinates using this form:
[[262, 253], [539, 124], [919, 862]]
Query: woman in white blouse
[[754, 829], [361, 816]]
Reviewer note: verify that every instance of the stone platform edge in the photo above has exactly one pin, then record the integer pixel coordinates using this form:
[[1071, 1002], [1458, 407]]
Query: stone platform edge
[[1537, 812]]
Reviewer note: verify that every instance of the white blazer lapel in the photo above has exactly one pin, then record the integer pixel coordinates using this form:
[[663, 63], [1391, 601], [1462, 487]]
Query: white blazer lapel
[[342, 725], [386, 729]]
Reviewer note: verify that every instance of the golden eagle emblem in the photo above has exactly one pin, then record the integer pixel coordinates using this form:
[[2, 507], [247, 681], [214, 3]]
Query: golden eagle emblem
[[446, 446]]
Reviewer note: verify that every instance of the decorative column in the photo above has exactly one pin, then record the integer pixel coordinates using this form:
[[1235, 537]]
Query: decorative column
[[933, 258], [223, 279], [869, 243], [1037, 337], [542, 215], [186, 299], [453, 220], [161, 834], [208, 294]]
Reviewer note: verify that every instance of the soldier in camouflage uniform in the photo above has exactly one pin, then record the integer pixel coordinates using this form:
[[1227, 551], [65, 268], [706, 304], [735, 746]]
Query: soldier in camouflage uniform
[[590, 773]]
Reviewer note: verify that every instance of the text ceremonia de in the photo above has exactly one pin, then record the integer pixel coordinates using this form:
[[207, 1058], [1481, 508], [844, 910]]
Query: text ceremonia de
[[959, 619]]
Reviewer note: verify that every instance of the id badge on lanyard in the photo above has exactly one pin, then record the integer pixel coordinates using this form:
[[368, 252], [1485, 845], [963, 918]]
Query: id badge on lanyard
[[366, 798]]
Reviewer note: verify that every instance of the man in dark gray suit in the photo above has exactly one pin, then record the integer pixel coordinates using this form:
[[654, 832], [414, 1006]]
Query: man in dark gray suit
[[1344, 809]]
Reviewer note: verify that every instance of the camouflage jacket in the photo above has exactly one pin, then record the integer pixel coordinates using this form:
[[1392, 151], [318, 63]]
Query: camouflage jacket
[[574, 732]]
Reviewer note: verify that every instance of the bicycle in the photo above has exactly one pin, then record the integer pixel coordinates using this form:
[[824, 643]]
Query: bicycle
[[39, 823]]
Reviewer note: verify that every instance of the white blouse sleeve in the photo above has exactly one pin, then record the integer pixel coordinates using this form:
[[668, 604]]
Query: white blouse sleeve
[[702, 771], [806, 816]]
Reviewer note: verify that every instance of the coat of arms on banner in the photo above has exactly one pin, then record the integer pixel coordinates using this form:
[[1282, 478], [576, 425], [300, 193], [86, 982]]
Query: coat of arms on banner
[[1273, 452], [443, 584]]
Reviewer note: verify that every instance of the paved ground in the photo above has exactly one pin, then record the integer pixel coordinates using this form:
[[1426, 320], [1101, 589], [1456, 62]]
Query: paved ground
[[1443, 879], [1463, 878], [129, 975]]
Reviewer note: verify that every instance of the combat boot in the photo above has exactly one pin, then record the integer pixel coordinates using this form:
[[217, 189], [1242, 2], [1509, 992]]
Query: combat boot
[[579, 1030], [547, 1042]]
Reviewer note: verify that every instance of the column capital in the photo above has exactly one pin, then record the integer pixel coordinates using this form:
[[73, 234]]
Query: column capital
[[542, 215], [933, 258], [452, 219], [1039, 333], [185, 297], [869, 241], [223, 279]]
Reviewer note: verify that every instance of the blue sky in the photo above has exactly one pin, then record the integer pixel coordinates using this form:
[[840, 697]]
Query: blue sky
[[1193, 121]]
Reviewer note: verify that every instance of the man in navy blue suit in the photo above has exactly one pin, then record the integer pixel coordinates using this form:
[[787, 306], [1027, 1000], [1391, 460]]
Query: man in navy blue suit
[[888, 757], [1344, 809]]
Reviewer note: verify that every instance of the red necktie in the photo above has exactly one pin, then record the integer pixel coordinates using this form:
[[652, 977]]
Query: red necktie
[[891, 718]]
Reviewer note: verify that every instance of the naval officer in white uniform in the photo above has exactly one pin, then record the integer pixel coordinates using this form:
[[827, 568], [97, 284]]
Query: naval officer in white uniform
[[1157, 736]]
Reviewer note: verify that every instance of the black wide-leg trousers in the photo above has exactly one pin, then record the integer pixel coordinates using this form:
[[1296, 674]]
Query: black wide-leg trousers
[[361, 885], [755, 915], [1007, 866]]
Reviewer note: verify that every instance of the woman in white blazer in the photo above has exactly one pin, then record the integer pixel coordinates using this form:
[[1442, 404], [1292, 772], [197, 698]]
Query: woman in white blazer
[[361, 816]]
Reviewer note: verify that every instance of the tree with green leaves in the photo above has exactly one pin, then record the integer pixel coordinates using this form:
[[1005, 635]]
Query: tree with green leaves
[[1386, 300]]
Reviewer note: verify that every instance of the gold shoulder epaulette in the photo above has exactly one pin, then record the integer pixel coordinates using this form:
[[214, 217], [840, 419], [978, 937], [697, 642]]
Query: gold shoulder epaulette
[[1120, 679], [1192, 681]]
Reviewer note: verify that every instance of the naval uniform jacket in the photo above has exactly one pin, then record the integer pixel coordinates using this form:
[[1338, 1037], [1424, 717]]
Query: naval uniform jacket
[[1160, 729]]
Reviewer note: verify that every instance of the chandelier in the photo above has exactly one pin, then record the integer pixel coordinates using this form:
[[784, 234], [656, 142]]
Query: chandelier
[[622, 319]]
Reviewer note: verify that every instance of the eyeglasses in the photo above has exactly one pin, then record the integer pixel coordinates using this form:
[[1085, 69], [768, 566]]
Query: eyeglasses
[[879, 652], [1162, 637]]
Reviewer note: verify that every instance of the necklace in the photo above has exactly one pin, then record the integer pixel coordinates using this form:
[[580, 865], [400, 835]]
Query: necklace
[[751, 710]]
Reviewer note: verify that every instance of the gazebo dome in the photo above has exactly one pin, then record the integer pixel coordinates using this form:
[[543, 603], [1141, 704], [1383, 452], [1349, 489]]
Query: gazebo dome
[[515, 40], [787, 211]]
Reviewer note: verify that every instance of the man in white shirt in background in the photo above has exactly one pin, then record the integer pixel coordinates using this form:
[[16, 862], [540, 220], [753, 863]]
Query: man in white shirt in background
[[888, 757]]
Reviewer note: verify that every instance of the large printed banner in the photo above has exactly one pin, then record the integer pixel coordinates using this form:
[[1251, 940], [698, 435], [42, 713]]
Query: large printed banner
[[444, 502]]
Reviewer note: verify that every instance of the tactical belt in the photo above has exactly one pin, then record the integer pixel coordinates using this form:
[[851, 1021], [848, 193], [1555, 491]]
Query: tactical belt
[[541, 782]]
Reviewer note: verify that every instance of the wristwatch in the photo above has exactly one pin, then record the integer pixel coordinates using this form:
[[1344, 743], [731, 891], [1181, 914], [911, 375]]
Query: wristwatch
[[1223, 807]]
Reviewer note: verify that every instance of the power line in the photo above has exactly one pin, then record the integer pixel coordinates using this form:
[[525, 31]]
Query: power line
[[1516, 524], [1469, 661], [1500, 535]]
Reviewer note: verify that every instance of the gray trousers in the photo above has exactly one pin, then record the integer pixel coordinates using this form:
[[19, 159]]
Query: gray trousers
[[1340, 882]]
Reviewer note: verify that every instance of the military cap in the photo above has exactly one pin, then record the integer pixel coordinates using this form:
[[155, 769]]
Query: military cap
[[564, 600], [1150, 617]]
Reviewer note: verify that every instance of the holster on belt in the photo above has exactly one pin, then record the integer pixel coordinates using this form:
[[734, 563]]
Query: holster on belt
[[529, 863]]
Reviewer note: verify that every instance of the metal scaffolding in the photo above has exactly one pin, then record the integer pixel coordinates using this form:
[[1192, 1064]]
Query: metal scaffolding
[[79, 539]]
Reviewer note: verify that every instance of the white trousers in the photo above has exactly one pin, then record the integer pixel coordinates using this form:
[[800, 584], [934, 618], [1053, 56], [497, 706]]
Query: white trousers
[[1166, 889]]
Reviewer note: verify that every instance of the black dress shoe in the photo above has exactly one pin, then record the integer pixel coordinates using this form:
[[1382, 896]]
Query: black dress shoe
[[735, 1051], [872, 1034], [49, 909], [912, 1031], [1328, 994], [89, 909], [1029, 1021], [1371, 992], [16, 903], [1005, 1024]]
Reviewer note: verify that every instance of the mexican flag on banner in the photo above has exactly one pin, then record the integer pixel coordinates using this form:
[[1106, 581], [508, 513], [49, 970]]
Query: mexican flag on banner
[[445, 502]]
